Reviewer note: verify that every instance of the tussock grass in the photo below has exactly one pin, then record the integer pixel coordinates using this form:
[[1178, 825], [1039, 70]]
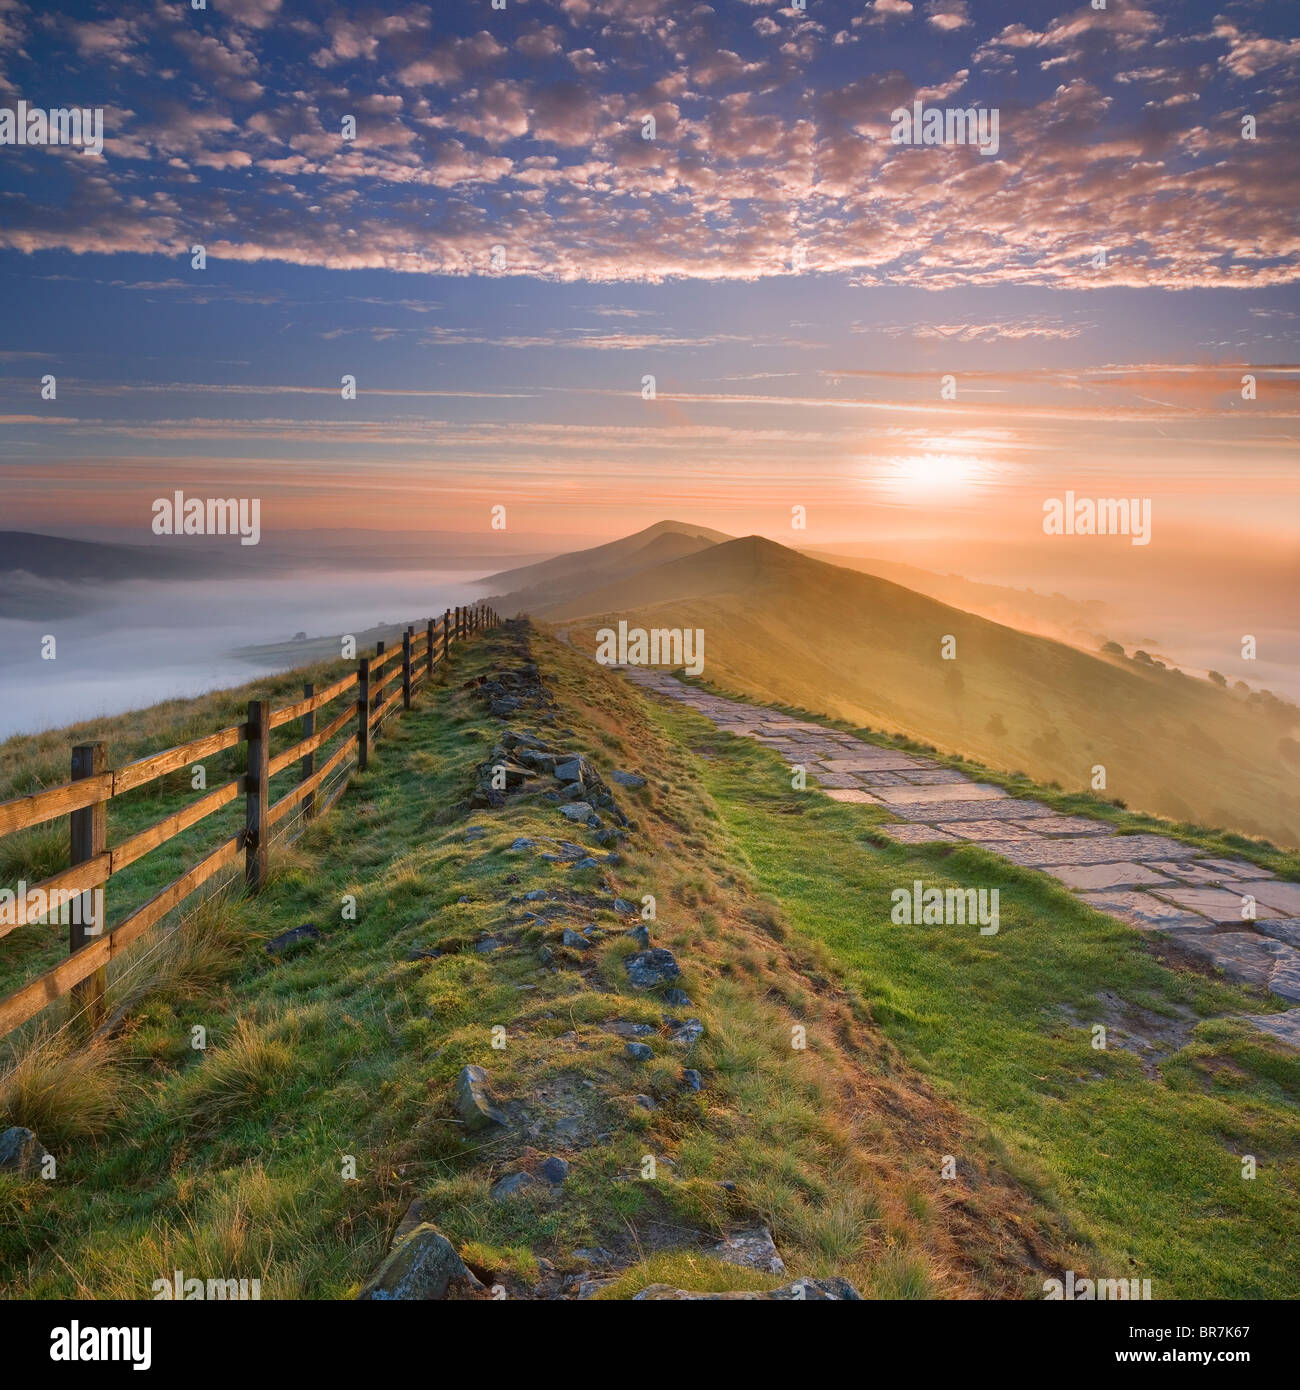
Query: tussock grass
[[61, 1092]]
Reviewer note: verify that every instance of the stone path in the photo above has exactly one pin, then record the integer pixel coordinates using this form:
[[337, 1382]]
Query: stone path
[[1150, 882]]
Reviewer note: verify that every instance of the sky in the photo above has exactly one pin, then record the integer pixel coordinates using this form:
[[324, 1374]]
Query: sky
[[501, 259]]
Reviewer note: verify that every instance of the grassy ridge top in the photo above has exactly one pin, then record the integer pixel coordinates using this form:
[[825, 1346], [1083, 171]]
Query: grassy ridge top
[[791, 630]]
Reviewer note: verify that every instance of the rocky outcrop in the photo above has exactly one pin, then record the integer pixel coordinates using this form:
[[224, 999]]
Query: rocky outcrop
[[422, 1266]]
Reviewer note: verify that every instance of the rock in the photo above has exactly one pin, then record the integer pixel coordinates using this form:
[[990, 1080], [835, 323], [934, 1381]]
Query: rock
[[641, 935], [589, 1288], [424, 1267], [632, 780], [626, 1029], [753, 1249], [488, 943], [677, 997], [523, 842], [571, 770], [689, 1033], [475, 832], [535, 896], [555, 1169], [646, 1103], [509, 1185], [423, 953], [692, 1079], [595, 1255], [295, 937], [474, 1100], [576, 939], [414, 1217], [587, 863], [801, 1291], [21, 1152], [577, 811], [649, 968], [639, 1052], [464, 898], [622, 905]]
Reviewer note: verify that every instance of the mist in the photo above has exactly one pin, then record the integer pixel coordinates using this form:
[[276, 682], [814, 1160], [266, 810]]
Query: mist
[[146, 641]]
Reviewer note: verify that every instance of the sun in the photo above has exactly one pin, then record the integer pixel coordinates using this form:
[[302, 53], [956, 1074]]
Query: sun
[[932, 475]]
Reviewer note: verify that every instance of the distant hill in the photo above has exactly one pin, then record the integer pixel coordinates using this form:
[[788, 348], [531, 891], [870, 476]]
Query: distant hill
[[520, 590], [76, 561], [783, 627]]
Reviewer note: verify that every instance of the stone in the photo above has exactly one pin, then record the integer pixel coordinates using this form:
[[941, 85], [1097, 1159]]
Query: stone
[[474, 1100], [754, 1249], [633, 781], [577, 811], [677, 997], [959, 791], [507, 1187], [691, 1079], [641, 935], [1094, 877], [1241, 955], [688, 1034], [639, 1052], [555, 1169], [1099, 849], [1282, 897], [475, 832], [645, 1102], [626, 1029], [523, 842], [571, 770], [297, 936], [1284, 1026], [424, 1267], [654, 967], [488, 943], [801, 1291], [576, 940], [1285, 929], [1221, 905], [851, 794], [587, 863], [1141, 910], [546, 956], [21, 1152], [535, 896], [413, 1217], [912, 834]]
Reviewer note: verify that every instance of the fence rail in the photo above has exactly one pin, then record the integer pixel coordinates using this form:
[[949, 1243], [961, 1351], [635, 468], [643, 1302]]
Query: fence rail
[[85, 799]]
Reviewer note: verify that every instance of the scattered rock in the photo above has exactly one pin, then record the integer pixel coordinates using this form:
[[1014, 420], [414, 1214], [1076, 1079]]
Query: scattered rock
[[423, 953], [587, 863], [535, 896], [555, 1169], [647, 969], [509, 1185], [488, 943], [523, 842], [753, 1249], [474, 832], [546, 956], [21, 1152], [646, 1103], [594, 1255], [622, 905], [424, 1267], [577, 811], [632, 780], [474, 1100], [688, 1034], [641, 935], [639, 1052], [295, 937], [576, 939], [626, 1029], [414, 1217], [677, 997], [570, 771], [692, 1079], [802, 1290]]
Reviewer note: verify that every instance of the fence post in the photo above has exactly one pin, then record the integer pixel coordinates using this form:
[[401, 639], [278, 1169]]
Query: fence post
[[406, 668], [89, 828], [428, 649], [257, 795], [309, 759], [446, 632], [363, 711]]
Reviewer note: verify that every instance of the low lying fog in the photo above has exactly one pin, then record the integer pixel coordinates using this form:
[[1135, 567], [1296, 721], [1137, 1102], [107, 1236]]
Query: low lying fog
[[147, 642]]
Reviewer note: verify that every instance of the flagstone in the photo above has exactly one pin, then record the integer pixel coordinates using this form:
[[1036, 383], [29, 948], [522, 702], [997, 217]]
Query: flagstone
[[965, 791], [1285, 1026], [1275, 893], [886, 762], [1196, 872], [1071, 825], [1099, 849], [1281, 929], [944, 811], [1092, 877], [1218, 904], [987, 830], [1143, 911], [913, 834], [852, 794], [832, 779]]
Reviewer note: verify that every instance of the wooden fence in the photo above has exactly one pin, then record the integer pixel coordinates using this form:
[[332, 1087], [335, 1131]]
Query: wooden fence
[[381, 683]]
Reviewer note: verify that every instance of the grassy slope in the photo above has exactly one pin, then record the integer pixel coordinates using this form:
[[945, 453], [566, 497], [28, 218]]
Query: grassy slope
[[1150, 1168], [227, 1162], [795, 631]]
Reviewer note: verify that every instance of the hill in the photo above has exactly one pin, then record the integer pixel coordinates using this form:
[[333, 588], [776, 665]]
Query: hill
[[793, 630], [579, 571]]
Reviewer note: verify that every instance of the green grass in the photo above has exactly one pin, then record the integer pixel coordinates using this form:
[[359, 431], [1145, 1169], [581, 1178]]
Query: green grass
[[1150, 1168]]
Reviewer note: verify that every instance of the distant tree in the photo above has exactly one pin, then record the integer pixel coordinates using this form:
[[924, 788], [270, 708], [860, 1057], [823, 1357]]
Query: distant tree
[[1241, 687], [1144, 657], [1112, 649], [1219, 680]]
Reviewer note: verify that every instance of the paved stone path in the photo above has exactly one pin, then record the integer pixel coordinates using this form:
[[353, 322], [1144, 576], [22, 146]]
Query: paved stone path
[[1150, 882]]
